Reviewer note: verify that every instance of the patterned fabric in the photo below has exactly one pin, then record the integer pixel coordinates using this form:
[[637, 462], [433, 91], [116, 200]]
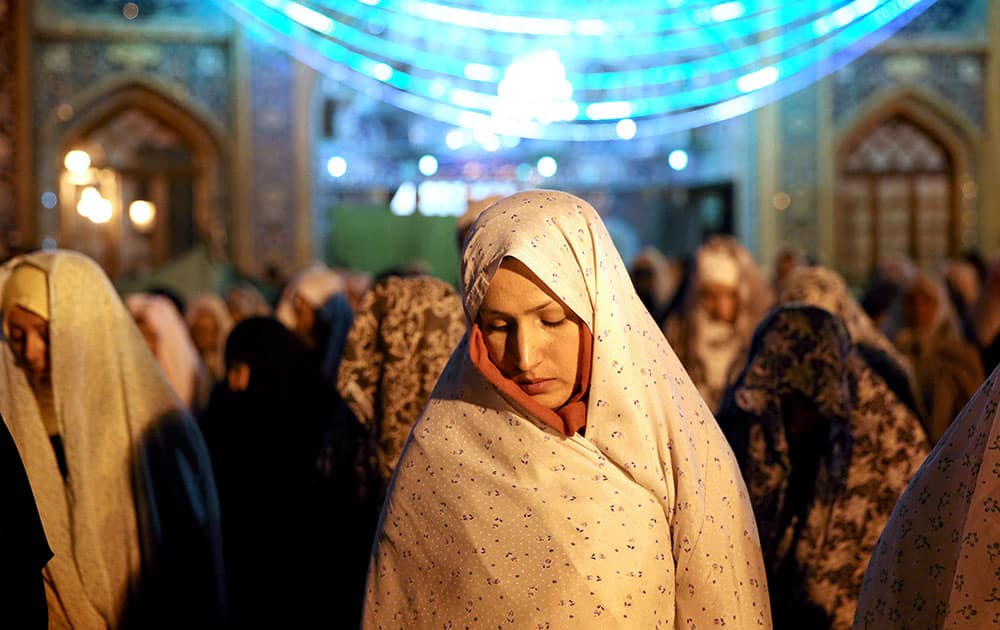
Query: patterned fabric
[[937, 562], [495, 519], [136, 519], [403, 334], [826, 449], [826, 289]]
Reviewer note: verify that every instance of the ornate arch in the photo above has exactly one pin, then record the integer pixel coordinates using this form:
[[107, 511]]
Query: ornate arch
[[923, 114], [100, 104]]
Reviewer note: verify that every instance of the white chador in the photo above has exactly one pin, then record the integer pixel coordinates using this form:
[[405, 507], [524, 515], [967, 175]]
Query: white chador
[[496, 519]]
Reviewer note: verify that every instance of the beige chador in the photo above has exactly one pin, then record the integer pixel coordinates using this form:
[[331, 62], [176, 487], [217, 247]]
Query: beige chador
[[495, 519], [133, 523]]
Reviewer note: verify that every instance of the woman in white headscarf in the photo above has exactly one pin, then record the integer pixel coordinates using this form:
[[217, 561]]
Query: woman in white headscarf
[[117, 465], [724, 301], [304, 296], [170, 342], [565, 470], [209, 321]]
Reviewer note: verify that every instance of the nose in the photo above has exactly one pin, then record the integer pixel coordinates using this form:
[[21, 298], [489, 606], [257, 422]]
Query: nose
[[527, 348], [34, 351]]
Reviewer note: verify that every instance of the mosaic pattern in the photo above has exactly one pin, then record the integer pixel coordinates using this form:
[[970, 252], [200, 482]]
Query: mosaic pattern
[[799, 169], [273, 163], [957, 79], [197, 73], [966, 17]]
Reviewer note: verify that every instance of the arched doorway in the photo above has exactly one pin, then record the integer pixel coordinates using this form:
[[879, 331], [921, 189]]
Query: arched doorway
[[136, 145], [898, 192]]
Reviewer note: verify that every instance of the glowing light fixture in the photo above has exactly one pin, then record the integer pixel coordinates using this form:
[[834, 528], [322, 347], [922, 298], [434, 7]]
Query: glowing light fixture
[[336, 166], [626, 129], [142, 213], [428, 165], [77, 161], [49, 199], [678, 159], [547, 166], [456, 139], [404, 202], [565, 70]]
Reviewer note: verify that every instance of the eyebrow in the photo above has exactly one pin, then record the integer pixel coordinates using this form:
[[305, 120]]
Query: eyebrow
[[534, 309]]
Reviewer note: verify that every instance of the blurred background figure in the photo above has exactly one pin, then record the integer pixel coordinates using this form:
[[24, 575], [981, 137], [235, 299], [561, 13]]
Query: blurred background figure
[[209, 322], [265, 427], [117, 464], [826, 289], [948, 368], [883, 289], [402, 337], [984, 319], [726, 297], [788, 259], [244, 301], [168, 339], [826, 449], [306, 293], [656, 279], [963, 281]]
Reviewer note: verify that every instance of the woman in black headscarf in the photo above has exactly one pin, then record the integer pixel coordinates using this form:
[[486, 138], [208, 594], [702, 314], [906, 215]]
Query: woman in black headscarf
[[264, 427], [22, 542]]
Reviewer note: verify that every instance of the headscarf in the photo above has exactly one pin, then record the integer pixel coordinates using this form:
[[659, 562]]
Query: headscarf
[[493, 517], [826, 289], [27, 287], [937, 560], [315, 285], [175, 352], [710, 362], [114, 521], [245, 301], [404, 332], [213, 306], [822, 482], [985, 313], [264, 442], [948, 368]]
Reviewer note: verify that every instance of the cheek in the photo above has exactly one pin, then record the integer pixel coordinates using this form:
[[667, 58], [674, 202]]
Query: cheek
[[496, 345], [566, 350]]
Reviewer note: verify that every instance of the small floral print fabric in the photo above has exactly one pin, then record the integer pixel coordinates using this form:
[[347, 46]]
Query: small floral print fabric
[[493, 519], [822, 482], [402, 336], [938, 560]]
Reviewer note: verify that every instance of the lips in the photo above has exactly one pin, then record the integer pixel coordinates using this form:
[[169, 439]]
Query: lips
[[535, 387]]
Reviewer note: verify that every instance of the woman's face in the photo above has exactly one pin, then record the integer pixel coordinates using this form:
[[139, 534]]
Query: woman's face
[[532, 337], [205, 333], [29, 339], [305, 319], [721, 302]]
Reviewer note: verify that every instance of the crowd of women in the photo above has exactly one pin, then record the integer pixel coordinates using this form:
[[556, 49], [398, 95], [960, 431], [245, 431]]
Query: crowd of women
[[564, 440]]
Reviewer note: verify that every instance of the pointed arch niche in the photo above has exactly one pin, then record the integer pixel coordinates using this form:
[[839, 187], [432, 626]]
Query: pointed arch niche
[[143, 146], [901, 186]]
